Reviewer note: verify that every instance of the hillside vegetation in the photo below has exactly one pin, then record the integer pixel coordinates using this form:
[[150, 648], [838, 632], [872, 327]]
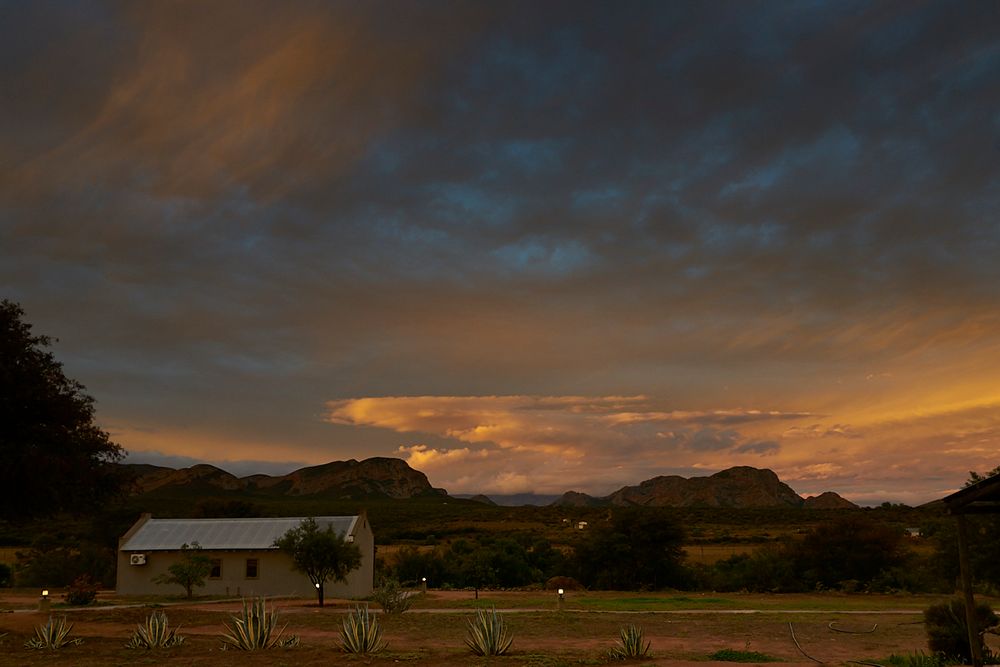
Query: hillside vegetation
[[739, 529]]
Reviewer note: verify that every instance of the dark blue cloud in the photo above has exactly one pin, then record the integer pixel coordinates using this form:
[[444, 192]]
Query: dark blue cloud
[[261, 207]]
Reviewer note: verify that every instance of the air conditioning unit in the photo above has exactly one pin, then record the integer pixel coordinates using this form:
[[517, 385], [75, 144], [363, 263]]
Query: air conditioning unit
[[137, 559]]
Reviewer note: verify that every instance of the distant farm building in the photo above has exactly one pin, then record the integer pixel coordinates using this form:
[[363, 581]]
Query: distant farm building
[[245, 561]]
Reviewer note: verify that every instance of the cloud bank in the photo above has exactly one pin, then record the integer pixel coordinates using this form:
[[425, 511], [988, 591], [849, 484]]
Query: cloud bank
[[546, 444], [232, 213]]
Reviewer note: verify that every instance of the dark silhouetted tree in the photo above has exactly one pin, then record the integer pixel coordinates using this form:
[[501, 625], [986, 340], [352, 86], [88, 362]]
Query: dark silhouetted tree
[[641, 549], [52, 455], [851, 548], [321, 555]]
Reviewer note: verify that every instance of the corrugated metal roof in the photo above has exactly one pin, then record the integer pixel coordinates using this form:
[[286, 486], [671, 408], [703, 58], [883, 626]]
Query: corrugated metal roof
[[170, 534]]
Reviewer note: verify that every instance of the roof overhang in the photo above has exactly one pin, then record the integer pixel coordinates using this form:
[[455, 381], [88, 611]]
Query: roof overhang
[[983, 497]]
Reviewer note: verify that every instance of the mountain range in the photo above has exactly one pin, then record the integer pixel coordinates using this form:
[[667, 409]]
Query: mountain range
[[739, 487], [382, 477]]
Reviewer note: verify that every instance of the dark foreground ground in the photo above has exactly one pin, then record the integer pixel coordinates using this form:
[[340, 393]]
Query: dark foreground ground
[[682, 629]]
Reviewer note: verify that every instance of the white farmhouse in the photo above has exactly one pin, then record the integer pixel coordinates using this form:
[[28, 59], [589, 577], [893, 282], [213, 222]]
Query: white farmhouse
[[245, 561]]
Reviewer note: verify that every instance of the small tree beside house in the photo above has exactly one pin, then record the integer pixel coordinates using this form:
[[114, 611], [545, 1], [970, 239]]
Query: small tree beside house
[[190, 571], [322, 555]]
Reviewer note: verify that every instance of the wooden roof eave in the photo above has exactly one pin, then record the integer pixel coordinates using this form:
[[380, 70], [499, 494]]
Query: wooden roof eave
[[982, 497]]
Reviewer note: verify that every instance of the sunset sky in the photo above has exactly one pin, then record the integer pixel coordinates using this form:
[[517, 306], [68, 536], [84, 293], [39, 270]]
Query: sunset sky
[[527, 247]]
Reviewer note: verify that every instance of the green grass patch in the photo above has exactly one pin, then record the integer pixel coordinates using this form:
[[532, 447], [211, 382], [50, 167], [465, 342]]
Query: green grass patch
[[732, 655], [652, 603], [918, 659], [549, 660], [488, 601]]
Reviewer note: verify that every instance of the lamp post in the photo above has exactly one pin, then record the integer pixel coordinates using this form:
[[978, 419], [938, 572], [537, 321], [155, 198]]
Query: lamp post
[[423, 585], [44, 604], [562, 597]]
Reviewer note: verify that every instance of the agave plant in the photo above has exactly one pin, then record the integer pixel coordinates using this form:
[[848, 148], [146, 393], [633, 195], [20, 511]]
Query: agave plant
[[255, 628], [154, 633], [52, 635], [631, 644], [488, 634], [362, 633]]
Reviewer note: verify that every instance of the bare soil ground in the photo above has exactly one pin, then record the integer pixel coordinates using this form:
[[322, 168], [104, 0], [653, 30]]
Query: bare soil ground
[[434, 634]]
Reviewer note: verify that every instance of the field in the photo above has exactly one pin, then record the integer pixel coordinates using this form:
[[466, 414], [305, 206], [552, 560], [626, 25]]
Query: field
[[683, 629]]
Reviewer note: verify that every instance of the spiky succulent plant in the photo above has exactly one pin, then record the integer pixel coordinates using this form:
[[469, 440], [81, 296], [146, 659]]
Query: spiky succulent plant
[[256, 628], [154, 633], [631, 644], [362, 633], [488, 633], [52, 635]]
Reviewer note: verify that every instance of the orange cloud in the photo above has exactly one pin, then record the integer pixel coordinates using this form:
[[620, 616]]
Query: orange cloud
[[245, 96], [549, 442], [209, 446], [553, 443]]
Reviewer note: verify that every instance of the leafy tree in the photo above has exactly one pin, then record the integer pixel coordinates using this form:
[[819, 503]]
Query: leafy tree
[[546, 561], [52, 455], [851, 548], [320, 554], [641, 549], [52, 562], [768, 569], [411, 566], [191, 571], [476, 570], [975, 477]]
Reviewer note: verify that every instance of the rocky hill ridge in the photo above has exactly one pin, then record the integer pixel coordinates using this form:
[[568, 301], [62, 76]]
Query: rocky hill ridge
[[378, 476], [738, 487]]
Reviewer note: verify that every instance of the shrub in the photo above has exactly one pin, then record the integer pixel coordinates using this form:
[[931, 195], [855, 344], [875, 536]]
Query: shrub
[[565, 583], [255, 628], [52, 635], [362, 633], [918, 659], [947, 632], [488, 634], [154, 633], [5, 575], [82, 591], [631, 644], [391, 597]]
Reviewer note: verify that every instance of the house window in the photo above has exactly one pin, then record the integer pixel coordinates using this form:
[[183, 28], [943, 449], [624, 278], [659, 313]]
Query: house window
[[251, 568], [216, 571]]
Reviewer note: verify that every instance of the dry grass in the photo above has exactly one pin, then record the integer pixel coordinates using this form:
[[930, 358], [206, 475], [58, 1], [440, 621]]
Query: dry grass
[[686, 630], [706, 554], [8, 555]]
